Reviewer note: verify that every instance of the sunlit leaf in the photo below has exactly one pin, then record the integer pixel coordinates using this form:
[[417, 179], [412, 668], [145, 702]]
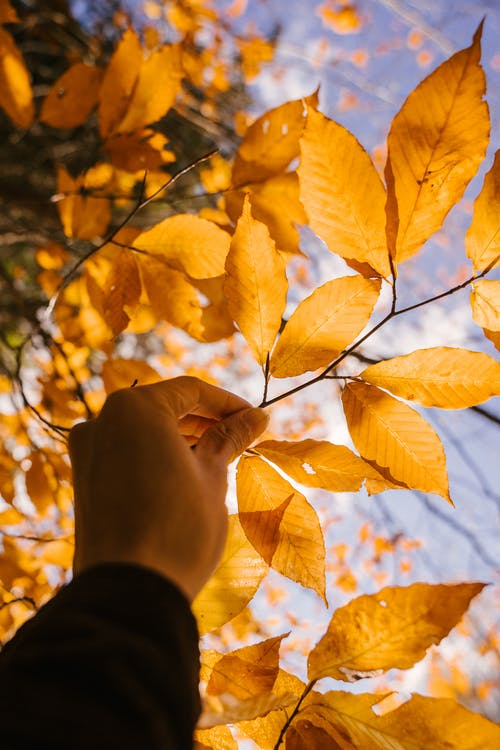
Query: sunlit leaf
[[118, 83], [215, 738], [419, 724], [72, 97], [482, 240], [234, 582], [485, 302], [395, 436], [446, 377], [270, 143], [342, 193], [16, 97], [248, 671], [255, 284], [193, 245], [231, 710], [300, 552], [82, 216], [324, 324], [317, 463], [119, 373], [38, 484], [276, 203], [387, 630], [155, 90], [121, 291], [435, 145]]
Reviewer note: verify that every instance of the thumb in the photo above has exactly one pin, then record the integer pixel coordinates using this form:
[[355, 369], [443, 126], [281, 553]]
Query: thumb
[[229, 437]]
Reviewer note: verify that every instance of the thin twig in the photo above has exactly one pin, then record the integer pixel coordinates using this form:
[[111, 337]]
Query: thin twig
[[294, 713]]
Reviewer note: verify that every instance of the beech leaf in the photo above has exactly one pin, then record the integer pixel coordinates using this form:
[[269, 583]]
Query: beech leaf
[[255, 284], [436, 143], [442, 376], [72, 97], [395, 436], [324, 324], [387, 630], [16, 96], [482, 241]]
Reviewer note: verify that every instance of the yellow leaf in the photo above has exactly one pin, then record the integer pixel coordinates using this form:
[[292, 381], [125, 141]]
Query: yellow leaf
[[265, 731], [38, 485], [342, 193], [248, 671], [300, 552], [324, 324], [142, 150], [395, 436], [59, 552], [391, 629], [317, 463], [255, 284], [122, 373], [442, 376], [419, 724], [72, 97], [155, 91], [230, 710], [216, 738], [275, 202], [435, 145], [482, 241], [193, 245], [270, 143], [343, 20], [122, 290], [16, 97], [493, 336], [174, 299], [303, 734], [118, 83], [253, 53], [82, 216], [234, 582], [485, 301]]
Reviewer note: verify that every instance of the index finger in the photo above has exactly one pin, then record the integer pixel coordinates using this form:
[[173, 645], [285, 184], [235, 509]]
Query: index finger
[[188, 395]]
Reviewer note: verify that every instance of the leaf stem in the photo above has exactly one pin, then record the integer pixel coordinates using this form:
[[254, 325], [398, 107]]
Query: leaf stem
[[294, 713]]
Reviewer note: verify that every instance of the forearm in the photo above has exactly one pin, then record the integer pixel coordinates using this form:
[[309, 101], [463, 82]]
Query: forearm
[[111, 661]]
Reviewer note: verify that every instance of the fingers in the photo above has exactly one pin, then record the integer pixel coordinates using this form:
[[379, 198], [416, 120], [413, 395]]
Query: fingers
[[229, 437], [188, 395]]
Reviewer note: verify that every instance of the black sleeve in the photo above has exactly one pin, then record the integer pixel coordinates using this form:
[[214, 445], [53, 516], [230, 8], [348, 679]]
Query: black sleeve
[[111, 662]]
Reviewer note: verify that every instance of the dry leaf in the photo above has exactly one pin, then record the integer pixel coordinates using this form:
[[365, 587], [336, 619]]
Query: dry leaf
[[482, 240]]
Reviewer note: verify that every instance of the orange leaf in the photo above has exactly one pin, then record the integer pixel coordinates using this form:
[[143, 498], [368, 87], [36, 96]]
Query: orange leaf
[[16, 97], [72, 97]]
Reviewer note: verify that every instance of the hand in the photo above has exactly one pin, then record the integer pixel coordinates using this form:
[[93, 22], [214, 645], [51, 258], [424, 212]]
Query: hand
[[150, 477]]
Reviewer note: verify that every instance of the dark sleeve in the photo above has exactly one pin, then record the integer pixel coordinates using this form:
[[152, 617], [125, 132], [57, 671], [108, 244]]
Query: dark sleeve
[[111, 662]]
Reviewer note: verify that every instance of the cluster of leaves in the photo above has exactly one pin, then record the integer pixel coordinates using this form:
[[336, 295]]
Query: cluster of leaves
[[226, 268]]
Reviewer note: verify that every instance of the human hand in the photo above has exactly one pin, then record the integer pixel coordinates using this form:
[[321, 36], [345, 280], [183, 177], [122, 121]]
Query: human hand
[[150, 477]]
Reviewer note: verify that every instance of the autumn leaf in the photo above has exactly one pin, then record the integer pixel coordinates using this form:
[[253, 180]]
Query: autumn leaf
[[83, 216], [275, 202], [482, 241], [16, 96], [343, 20], [234, 582], [7, 13], [485, 302], [122, 373], [156, 89], [215, 738], [38, 484], [72, 97], [300, 551], [391, 629], [395, 436], [419, 724], [231, 710], [248, 671], [255, 284], [193, 245], [141, 150], [446, 377], [324, 324], [119, 82], [436, 143], [265, 730], [342, 193], [121, 292], [318, 463], [271, 143]]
